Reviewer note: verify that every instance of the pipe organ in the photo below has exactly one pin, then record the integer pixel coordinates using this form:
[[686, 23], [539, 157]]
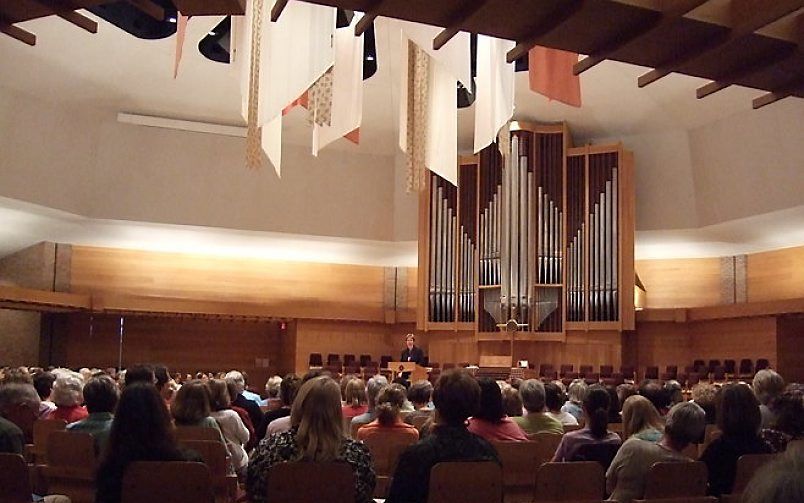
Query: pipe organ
[[537, 231]]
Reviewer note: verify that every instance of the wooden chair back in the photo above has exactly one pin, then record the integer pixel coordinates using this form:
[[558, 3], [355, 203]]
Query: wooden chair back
[[71, 465], [712, 432], [474, 481], [41, 433], [747, 466], [197, 433], [546, 445], [215, 457], [520, 461], [418, 421], [582, 480], [167, 482], [676, 480], [302, 482], [15, 486], [602, 453], [572, 427], [385, 451]]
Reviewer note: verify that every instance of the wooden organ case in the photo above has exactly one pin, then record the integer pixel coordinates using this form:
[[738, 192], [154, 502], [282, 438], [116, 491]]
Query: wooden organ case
[[542, 234]]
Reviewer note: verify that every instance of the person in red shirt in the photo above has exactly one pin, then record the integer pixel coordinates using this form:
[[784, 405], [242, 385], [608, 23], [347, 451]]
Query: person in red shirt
[[68, 396], [355, 399], [389, 403]]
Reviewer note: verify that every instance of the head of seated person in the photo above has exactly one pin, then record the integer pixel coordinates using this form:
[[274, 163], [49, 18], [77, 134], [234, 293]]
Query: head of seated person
[[534, 396], [191, 406], [316, 414], [140, 373], [373, 387], [779, 481], [272, 386], [789, 407], [738, 412], [596, 405], [68, 391], [684, 424], [491, 404], [654, 392], [219, 398], [641, 418], [554, 398], [101, 395], [43, 382], [456, 397], [420, 393], [288, 388], [19, 404], [705, 395], [390, 401], [512, 400], [236, 377], [355, 393], [767, 386]]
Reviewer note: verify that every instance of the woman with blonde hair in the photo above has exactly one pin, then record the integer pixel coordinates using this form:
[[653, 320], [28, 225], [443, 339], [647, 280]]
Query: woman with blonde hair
[[641, 420], [389, 403], [355, 398], [316, 434]]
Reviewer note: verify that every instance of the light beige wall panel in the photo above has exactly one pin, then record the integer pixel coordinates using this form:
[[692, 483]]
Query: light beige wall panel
[[775, 275], [680, 282]]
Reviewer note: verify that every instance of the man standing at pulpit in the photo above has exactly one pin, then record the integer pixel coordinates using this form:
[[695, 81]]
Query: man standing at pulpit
[[412, 353]]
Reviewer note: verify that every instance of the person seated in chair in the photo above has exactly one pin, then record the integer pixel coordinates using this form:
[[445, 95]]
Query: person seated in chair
[[536, 421], [101, 395]]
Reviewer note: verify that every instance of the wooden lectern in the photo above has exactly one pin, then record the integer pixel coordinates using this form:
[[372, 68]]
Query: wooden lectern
[[417, 372]]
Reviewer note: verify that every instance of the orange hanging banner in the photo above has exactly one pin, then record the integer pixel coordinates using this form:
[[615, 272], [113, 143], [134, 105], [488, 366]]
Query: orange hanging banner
[[550, 74]]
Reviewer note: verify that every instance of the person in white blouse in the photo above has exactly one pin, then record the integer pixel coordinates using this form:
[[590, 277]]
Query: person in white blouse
[[234, 431]]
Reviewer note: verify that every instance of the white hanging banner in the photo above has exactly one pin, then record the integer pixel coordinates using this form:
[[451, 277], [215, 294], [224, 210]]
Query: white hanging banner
[[454, 56], [347, 88], [494, 104], [441, 154], [241, 56], [272, 142]]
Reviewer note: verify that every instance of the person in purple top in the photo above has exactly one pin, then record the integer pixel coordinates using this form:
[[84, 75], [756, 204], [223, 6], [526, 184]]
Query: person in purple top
[[596, 410]]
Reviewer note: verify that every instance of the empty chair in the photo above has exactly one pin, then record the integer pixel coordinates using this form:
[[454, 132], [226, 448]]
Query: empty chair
[[712, 365], [698, 363], [719, 374], [42, 429], [385, 450], [364, 360], [384, 361], [544, 368], [157, 481], [675, 480], [474, 481], [614, 380], [334, 368], [333, 359], [730, 366], [762, 364], [197, 433], [583, 370], [71, 465], [746, 368], [592, 378], [606, 371], [670, 372], [316, 360], [565, 370], [693, 378], [303, 482], [652, 372], [370, 369], [570, 482], [349, 360], [15, 486], [520, 460], [628, 372]]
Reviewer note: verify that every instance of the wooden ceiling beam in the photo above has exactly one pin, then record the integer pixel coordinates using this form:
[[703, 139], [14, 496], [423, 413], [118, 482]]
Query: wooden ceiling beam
[[17, 33], [747, 16], [368, 17], [65, 9], [149, 7], [795, 87], [458, 19], [277, 9], [668, 16], [758, 66], [545, 26]]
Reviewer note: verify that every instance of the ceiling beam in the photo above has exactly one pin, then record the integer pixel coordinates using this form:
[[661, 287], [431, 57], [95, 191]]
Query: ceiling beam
[[458, 19], [65, 9], [150, 8], [368, 18], [277, 9], [747, 16], [17, 33], [795, 87], [667, 17], [545, 26], [757, 66]]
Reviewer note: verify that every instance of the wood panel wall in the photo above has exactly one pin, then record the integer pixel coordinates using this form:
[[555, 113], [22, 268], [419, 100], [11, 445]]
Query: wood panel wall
[[184, 345], [293, 289], [680, 282], [775, 275], [790, 347]]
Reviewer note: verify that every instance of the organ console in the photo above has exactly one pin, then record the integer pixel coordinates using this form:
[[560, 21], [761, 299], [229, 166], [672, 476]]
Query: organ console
[[537, 231]]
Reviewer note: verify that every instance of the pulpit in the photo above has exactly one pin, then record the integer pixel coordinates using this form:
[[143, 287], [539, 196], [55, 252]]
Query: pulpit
[[417, 372]]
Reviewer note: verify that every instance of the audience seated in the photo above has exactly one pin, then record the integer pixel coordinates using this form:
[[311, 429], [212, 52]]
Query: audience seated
[[253, 439], [241, 399], [595, 431], [490, 421], [247, 393], [68, 397], [141, 431], [43, 382], [536, 420], [625, 478], [575, 396], [641, 420], [420, 395], [456, 397], [789, 424], [100, 395], [234, 431], [316, 434], [272, 400], [139, 373], [512, 400], [739, 418], [354, 398], [287, 392], [779, 481], [373, 387], [705, 395], [553, 400], [166, 387], [768, 386], [19, 408], [389, 403], [654, 392], [624, 391], [672, 390]]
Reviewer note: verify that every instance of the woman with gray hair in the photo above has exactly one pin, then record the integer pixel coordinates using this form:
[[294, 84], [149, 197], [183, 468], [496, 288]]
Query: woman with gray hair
[[625, 478], [768, 385], [536, 421], [68, 396], [576, 393]]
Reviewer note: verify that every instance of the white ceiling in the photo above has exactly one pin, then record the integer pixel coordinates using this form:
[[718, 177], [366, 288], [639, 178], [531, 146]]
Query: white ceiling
[[114, 71]]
